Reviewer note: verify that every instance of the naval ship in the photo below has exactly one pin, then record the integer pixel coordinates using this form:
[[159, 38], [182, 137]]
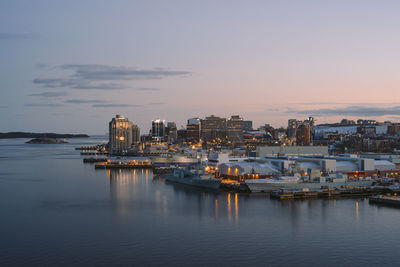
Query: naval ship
[[193, 178]]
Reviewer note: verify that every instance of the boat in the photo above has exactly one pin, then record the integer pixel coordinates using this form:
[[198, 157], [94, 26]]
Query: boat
[[296, 183], [193, 178]]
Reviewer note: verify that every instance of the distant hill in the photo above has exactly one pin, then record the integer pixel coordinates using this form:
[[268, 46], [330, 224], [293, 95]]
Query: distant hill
[[40, 135]]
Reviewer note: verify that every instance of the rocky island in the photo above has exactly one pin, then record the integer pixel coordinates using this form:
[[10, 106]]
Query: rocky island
[[46, 140]]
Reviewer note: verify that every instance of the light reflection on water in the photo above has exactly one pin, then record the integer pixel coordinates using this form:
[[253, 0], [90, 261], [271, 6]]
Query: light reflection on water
[[55, 210]]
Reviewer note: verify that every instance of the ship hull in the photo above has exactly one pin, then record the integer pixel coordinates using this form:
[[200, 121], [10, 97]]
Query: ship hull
[[198, 182]]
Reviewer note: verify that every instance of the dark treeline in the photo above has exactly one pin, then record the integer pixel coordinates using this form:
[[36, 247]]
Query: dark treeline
[[40, 135]]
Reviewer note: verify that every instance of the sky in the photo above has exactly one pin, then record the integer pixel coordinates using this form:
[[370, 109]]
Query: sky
[[71, 66]]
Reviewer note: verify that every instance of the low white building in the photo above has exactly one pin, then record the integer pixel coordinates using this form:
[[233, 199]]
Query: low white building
[[244, 168], [263, 151]]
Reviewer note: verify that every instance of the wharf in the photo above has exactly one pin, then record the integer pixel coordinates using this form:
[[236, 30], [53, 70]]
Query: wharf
[[94, 160], [94, 152], [336, 193], [162, 170], [233, 186], [87, 148], [123, 165], [387, 200]]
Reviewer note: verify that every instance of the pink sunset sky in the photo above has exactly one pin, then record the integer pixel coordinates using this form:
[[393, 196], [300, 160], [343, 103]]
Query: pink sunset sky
[[71, 66]]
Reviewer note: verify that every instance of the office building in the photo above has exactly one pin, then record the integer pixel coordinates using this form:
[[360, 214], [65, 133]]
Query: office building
[[193, 130], [135, 134], [247, 125], [158, 130], [171, 132], [234, 126], [213, 128], [303, 134], [292, 127]]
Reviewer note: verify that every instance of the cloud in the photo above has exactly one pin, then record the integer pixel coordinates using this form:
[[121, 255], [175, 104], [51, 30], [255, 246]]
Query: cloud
[[147, 89], [75, 84], [156, 103], [115, 105], [55, 82], [394, 117], [50, 94], [96, 72], [351, 111], [317, 103], [43, 105], [102, 86], [15, 36], [41, 65], [104, 77], [83, 101]]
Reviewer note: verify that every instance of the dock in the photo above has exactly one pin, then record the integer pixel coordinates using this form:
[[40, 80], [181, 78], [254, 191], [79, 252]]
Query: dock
[[334, 193], [124, 165], [234, 186], [94, 160], [386, 200], [162, 170], [93, 153]]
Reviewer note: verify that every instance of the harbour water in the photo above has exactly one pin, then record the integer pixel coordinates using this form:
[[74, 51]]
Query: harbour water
[[57, 211]]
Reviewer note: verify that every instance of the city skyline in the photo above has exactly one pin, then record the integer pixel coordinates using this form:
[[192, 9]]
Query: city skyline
[[267, 62]]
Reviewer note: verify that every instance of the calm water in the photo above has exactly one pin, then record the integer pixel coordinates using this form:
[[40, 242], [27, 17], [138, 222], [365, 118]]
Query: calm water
[[57, 211]]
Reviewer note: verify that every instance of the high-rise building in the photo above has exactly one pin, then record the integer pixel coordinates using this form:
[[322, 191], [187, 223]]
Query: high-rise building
[[302, 131], [247, 125], [182, 134], [234, 126], [213, 128], [158, 130], [193, 130], [303, 134], [171, 132], [292, 127], [135, 134], [120, 135], [393, 129]]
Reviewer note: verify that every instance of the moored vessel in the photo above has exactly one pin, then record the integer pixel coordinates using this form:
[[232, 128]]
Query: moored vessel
[[193, 178]]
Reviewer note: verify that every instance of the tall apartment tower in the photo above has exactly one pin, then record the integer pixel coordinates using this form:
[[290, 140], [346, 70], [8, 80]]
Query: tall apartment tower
[[158, 130], [234, 126], [292, 127], [193, 130], [120, 135], [135, 134], [171, 132]]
